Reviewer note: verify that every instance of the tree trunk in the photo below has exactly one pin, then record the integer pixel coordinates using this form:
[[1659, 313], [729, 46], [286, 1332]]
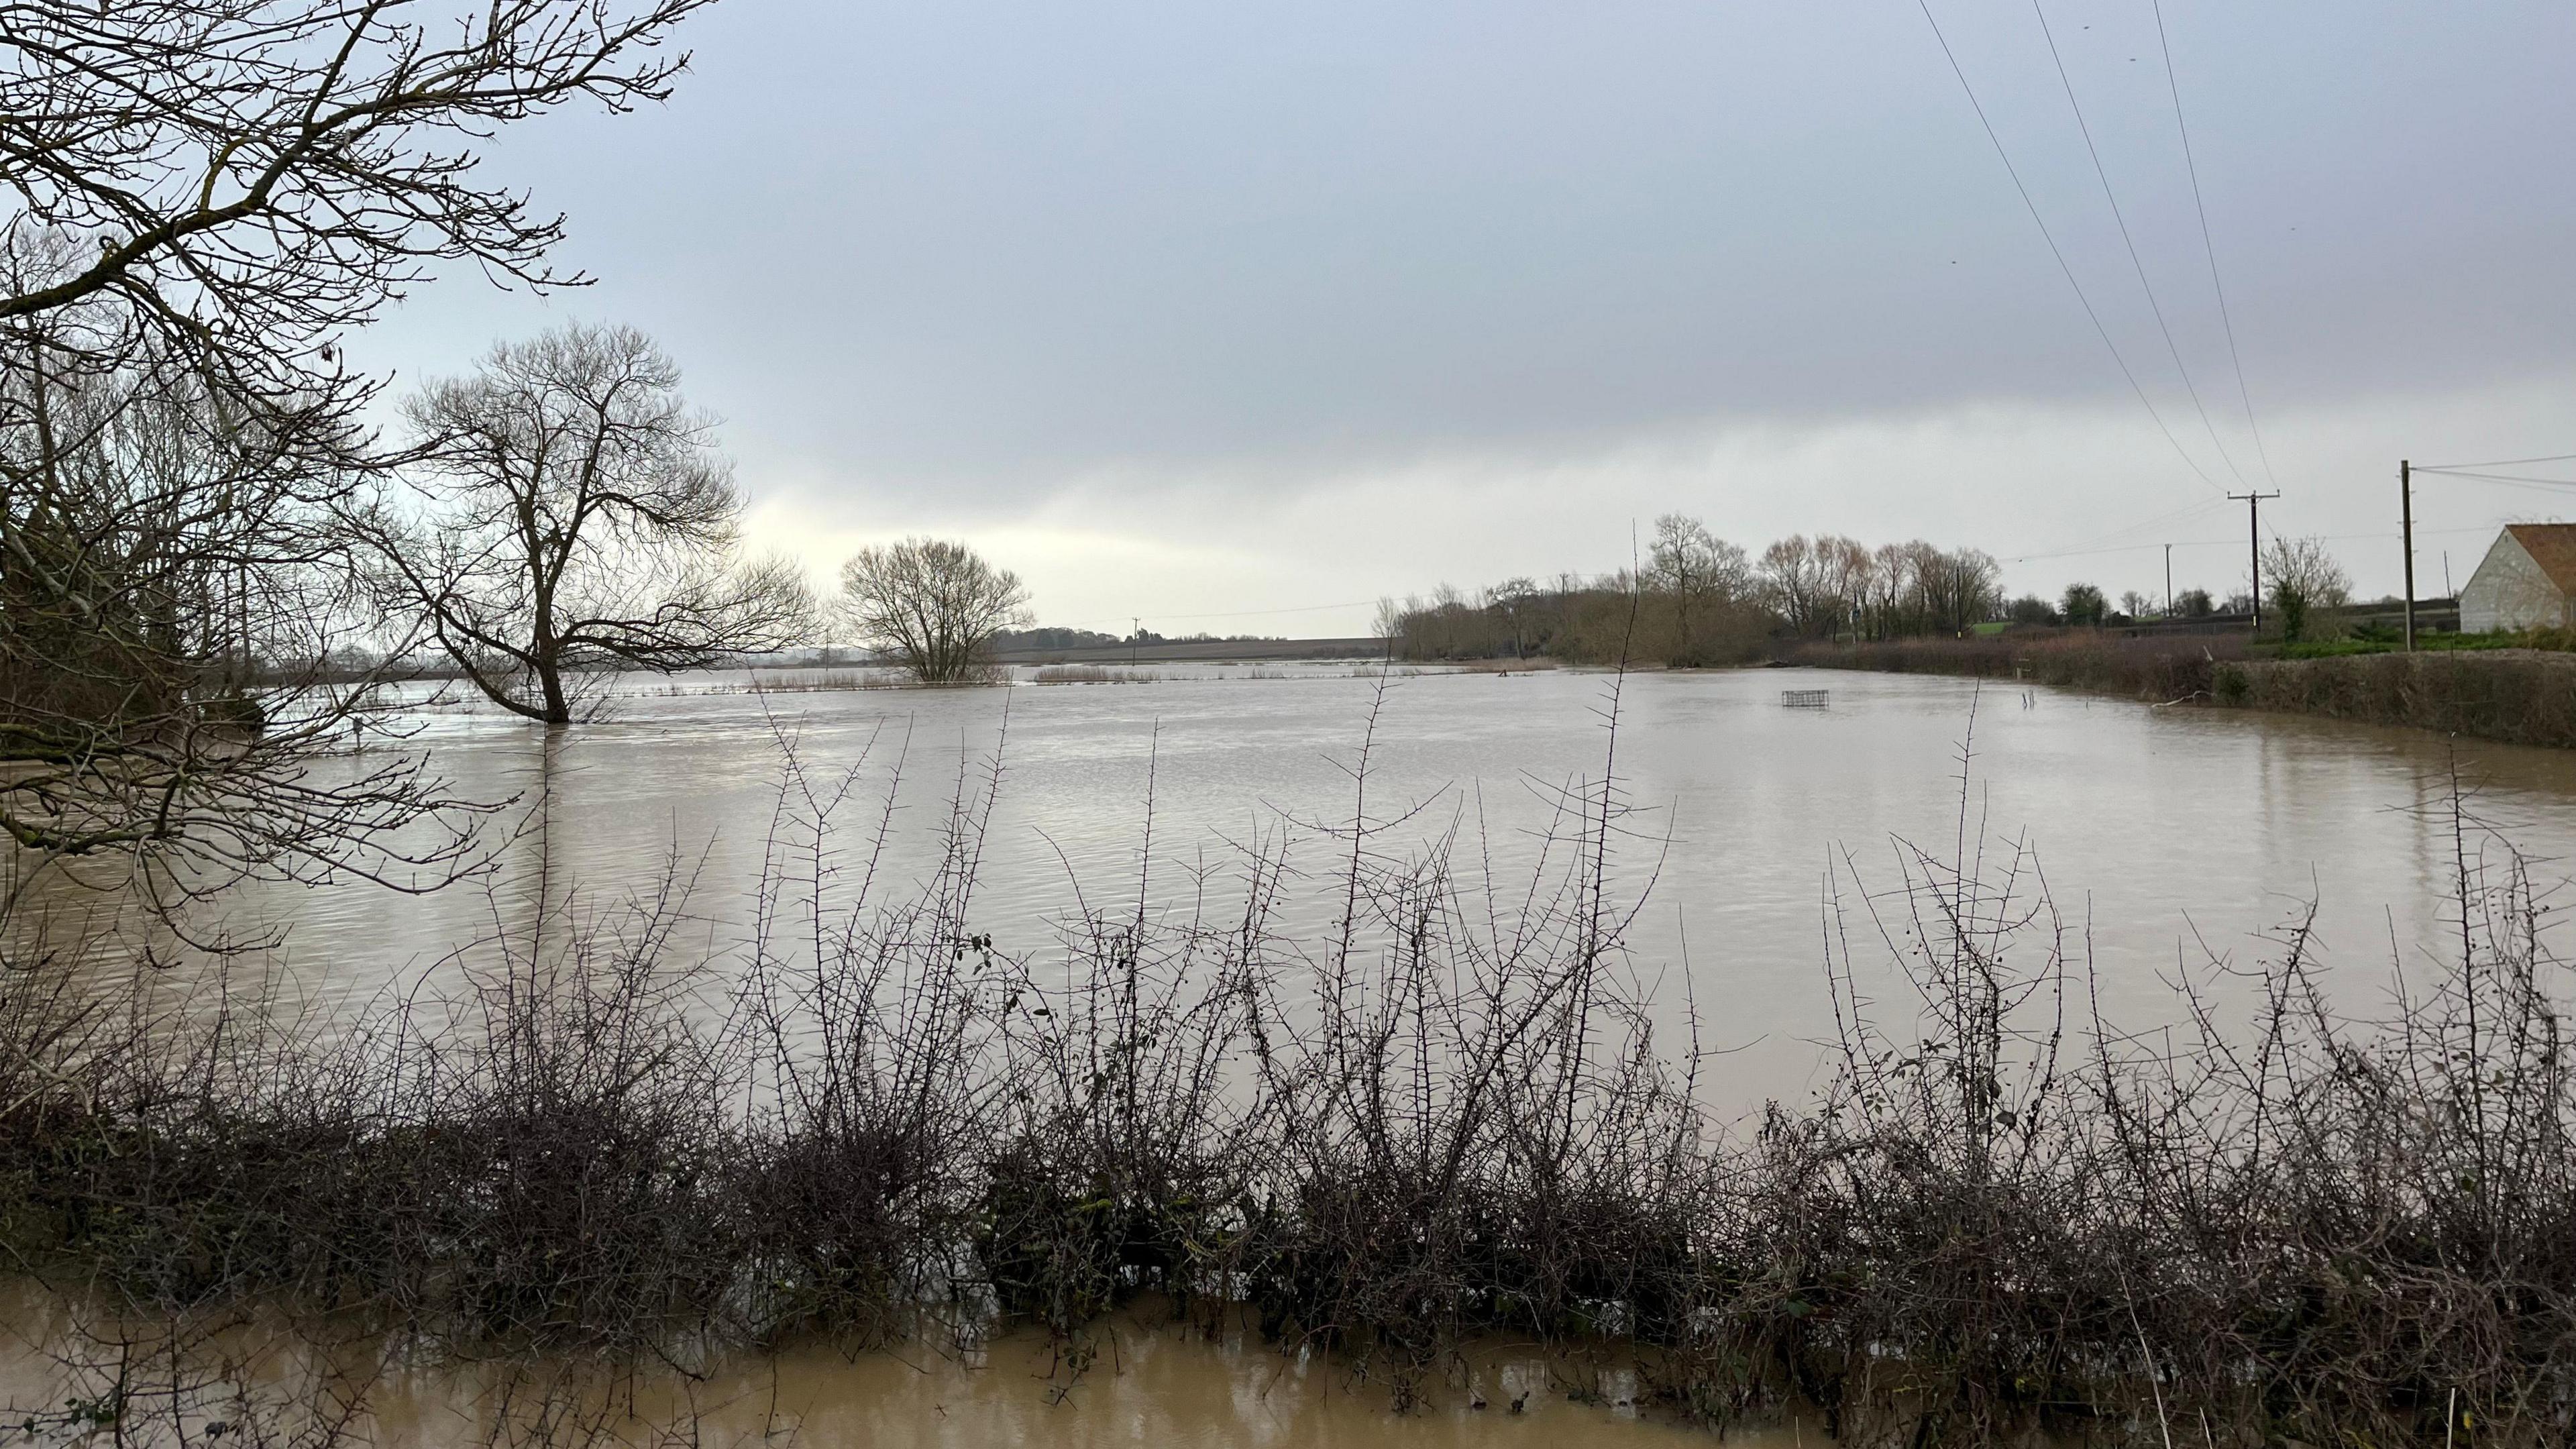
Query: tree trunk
[[548, 665]]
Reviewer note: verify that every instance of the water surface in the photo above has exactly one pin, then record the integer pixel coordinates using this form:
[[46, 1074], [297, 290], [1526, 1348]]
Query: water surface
[[2163, 833]]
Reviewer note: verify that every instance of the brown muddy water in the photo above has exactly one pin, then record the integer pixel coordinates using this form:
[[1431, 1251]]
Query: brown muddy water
[[1144, 1383], [2166, 836]]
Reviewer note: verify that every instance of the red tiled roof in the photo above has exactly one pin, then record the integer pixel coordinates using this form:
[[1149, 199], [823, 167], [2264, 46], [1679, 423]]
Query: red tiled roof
[[2553, 547]]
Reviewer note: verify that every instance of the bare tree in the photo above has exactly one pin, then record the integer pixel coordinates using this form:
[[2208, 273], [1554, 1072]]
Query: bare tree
[[1845, 566], [579, 518], [1388, 622], [1516, 600], [934, 604], [203, 197], [176, 613], [2303, 579], [1701, 574], [250, 174], [234, 184], [1793, 579], [1958, 587]]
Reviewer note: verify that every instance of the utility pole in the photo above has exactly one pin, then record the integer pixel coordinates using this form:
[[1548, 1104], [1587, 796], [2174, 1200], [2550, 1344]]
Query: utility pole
[[1135, 637], [2406, 522], [2254, 545], [2168, 581]]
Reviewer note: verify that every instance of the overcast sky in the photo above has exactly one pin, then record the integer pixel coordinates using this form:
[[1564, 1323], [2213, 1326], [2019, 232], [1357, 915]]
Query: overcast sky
[[1196, 312]]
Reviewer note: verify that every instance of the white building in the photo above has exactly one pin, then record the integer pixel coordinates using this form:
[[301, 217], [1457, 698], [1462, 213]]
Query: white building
[[2525, 582]]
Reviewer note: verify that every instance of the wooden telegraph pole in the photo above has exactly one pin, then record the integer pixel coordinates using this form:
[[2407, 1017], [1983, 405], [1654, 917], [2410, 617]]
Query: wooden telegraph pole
[[2254, 546], [2406, 523]]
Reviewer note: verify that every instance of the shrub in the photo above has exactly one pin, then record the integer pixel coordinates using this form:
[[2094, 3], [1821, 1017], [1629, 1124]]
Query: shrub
[[1435, 1117]]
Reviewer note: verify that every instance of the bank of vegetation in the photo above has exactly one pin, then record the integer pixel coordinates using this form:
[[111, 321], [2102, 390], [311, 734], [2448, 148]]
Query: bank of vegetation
[[1696, 599], [2153, 667], [1446, 1111], [2523, 696], [2516, 688]]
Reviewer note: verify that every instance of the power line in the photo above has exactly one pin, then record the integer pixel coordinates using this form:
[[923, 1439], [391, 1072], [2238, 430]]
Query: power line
[[2128, 242], [2209, 248], [2174, 516], [2502, 477], [2497, 462], [2055, 251], [2235, 542]]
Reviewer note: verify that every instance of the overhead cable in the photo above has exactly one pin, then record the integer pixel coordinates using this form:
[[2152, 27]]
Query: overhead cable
[[2138, 265], [2055, 251], [2494, 463], [2209, 248]]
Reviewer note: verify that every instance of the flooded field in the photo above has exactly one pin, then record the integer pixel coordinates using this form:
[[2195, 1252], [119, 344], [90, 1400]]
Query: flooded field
[[1143, 1382], [1171, 1023], [2166, 836]]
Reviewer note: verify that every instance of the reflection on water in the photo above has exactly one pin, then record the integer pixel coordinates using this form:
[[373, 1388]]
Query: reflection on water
[[2155, 827], [1144, 1388], [1143, 1385]]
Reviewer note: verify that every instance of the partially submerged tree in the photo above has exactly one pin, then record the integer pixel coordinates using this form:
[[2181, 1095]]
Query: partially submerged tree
[[204, 197], [933, 604], [579, 519]]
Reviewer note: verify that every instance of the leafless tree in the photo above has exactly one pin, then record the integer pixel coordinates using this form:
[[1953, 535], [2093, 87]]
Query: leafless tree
[[2302, 580], [2302, 566], [176, 616], [934, 604], [232, 185], [254, 176], [1701, 574], [1793, 580], [1388, 621], [578, 519], [1961, 588], [202, 198], [1515, 599]]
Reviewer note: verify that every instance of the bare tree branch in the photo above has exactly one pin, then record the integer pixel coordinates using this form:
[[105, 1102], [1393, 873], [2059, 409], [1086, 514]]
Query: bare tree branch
[[578, 518], [934, 604]]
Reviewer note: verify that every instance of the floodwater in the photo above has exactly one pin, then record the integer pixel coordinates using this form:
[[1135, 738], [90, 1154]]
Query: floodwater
[[2164, 834], [1142, 1383]]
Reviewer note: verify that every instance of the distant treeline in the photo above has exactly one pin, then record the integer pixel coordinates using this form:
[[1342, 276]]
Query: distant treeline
[[1697, 599], [1051, 638]]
